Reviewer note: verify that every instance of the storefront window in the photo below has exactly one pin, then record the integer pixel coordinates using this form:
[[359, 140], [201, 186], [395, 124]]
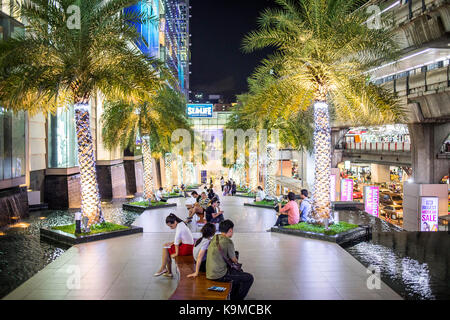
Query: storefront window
[[12, 144], [62, 140]]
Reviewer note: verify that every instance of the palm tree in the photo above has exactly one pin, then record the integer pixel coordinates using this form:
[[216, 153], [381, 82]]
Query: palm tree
[[323, 49], [56, 63], [153, 121]]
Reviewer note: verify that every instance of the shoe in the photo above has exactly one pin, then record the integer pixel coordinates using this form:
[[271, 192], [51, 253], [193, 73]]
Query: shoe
[[157, 274], [168, 275]]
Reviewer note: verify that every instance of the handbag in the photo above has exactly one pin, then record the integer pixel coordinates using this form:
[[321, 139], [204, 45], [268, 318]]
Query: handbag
[[232, 266]]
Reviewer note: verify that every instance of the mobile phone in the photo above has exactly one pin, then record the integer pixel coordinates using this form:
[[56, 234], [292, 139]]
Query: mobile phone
[[214, 288]]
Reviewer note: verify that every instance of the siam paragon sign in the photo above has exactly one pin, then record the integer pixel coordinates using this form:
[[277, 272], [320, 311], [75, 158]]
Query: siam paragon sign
[[199, 110]]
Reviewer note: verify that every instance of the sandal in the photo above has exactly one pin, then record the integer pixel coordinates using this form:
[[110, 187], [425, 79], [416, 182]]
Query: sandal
[[157, 274], [168, 275]]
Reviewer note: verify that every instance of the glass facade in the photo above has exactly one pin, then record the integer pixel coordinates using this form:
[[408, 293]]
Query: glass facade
[[211, 131], [12, 144], [62, 139]]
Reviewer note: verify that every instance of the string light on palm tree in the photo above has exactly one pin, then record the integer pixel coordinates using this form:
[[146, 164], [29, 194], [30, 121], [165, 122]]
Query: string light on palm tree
[[180, 169], [253, 170], [148, 167], [322, 152], [90, 196], [240, 169], [271, 169], [168, 167], [189, 168]]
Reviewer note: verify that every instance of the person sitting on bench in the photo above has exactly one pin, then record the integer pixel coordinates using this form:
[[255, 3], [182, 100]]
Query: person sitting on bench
[[182, 245], [222, 247], [201, 248], [213, 214], [191, 205]]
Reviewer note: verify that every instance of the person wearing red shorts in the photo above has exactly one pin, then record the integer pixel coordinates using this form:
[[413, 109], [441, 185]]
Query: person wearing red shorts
[[183, 245]]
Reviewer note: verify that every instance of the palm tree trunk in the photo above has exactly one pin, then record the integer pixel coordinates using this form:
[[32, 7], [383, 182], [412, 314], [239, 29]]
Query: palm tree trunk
[[168, 169], [148, 168], [90, 197], [322, 155], [253, 168]]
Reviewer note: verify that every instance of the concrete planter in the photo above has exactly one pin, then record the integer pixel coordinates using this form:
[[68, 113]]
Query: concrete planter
[[338, 238], [70, 239], [140, 209], [258, 205]]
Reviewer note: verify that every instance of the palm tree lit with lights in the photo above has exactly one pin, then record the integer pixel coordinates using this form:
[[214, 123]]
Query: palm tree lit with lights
[[153, 121], [323, 49], [57, 62]]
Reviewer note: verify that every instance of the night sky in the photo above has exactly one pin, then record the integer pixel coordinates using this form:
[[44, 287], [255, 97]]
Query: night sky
[[218, 26]]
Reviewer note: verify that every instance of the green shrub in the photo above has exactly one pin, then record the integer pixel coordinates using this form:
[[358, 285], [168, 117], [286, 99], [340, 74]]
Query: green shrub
[[333, 229], [96, 228]]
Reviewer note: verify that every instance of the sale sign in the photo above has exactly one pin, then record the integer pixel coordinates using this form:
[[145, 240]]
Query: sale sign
[[429, 212], [372, 200], [347, 190], [333, 187]]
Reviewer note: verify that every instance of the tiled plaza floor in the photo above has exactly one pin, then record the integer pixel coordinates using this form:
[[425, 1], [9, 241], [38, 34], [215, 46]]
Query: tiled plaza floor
[[284, 267]]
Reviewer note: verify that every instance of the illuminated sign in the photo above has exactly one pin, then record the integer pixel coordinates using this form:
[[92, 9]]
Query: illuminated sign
[[372, 200], [200, 110], [429, 210], [347, 190], [333, 187]]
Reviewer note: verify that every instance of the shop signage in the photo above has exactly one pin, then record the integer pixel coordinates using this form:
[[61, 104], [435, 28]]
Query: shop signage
[[200, 110], [429, 211], [372, 200], [333, 187], [347, 190]]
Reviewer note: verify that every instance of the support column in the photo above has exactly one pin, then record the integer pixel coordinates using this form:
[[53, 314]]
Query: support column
[[380, 173], [428, 169], [426, 140]]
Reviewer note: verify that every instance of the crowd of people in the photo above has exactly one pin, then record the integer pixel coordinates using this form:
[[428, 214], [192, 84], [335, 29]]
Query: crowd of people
[[214, 251], [228, 187]]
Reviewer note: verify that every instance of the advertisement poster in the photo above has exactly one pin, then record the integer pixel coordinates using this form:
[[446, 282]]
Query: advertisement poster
[[200, 110], [429, 211], [372, 200], [333, 187], [347, 190]]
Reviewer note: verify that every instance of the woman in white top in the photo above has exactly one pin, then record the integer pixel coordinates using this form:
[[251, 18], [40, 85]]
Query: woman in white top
[[200, 248], [183, 245], [260, 195]]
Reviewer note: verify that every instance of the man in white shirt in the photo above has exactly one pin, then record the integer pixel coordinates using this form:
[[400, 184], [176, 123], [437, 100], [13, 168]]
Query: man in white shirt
[[159, 195]]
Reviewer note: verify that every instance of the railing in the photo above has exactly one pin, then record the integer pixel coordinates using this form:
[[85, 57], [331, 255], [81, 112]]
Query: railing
[[379, 146]]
